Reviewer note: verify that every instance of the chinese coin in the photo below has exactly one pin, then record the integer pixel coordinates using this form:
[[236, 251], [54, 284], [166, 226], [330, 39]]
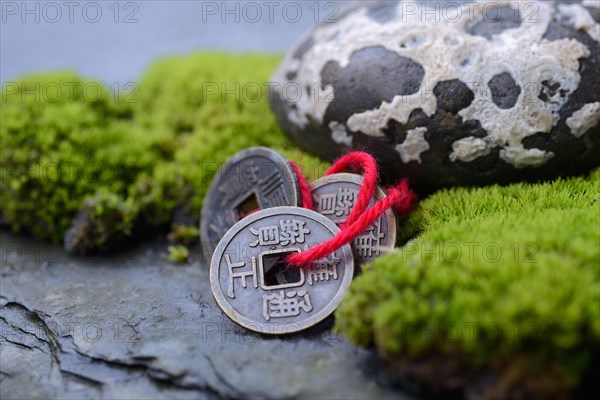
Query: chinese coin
[[334, 197], [257, 290], [255, 178]]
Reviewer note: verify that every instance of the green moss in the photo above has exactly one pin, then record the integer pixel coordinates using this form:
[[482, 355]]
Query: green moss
[[454, 205], [147, 156], [216, 106], [55, 153], [184, 234], [105, 221], [178, 254], [496, 275]]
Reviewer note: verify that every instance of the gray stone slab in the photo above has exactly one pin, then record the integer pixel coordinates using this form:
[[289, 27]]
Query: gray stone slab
[[135, 326]]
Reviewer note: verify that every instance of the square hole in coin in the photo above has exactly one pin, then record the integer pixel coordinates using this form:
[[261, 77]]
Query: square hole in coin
[[276, 272], [246, 206]]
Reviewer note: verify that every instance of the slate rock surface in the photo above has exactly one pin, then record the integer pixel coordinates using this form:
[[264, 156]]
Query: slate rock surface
[[491, 91], [133, 326]]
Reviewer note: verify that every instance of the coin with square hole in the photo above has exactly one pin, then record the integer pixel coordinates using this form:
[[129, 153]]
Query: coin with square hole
[[255, 178], [334, 197], [254, 286]]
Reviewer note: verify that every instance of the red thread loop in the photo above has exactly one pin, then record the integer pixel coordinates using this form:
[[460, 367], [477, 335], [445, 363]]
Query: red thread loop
[[399, 197], [358, 161]]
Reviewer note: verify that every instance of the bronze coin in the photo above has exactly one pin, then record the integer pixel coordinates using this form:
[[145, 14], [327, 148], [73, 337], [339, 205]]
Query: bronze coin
[[256, 289], [255, 178]]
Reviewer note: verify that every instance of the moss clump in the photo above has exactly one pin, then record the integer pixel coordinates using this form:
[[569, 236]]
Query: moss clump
[[107, 169], [184, 234], [496, 297], [178, 254], [104, 221], [55, 153]]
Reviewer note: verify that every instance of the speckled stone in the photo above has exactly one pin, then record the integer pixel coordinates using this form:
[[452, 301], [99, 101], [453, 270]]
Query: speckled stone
[[491, 92]]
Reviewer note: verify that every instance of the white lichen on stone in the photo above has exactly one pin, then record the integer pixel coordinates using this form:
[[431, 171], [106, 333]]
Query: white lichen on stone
[[521, 157], [584, 119], [372, 122], [447, 51], [577, 16], [339, 134], [469, 149], [413, 145]]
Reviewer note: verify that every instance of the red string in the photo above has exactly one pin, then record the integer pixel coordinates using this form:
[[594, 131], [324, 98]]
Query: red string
[[355, 162], [305, 192], [399, 197]]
